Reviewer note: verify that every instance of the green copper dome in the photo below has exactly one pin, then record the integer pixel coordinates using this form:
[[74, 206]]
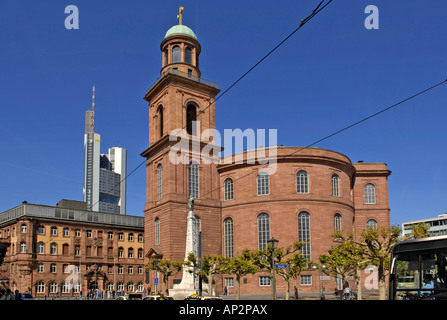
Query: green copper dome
[[180, 29]]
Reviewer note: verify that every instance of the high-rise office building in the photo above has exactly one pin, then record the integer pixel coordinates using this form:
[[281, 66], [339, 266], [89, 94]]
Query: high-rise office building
[[104, 174], [112, 185]]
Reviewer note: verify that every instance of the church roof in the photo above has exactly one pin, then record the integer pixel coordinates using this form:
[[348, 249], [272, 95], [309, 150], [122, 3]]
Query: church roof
[[180, 29]]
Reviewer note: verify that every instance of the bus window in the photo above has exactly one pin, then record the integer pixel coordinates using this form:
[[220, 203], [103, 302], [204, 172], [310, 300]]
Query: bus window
[[407, 272], [419, 270]]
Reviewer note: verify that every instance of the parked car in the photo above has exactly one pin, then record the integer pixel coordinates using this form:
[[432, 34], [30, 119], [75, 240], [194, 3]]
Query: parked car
[[25, 296], [197, 297], [211, 298], [135, 296], [158, 297]]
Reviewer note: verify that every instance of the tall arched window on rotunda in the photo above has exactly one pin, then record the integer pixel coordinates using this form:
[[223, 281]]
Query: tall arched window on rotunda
[[304, 233], [302, 182], [371, 224], [228, 238], [228, 189], [262, 181], [263, 230], [337, 222], [335, 185]]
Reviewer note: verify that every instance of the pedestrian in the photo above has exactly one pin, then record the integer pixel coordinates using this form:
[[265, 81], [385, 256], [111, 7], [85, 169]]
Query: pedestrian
[[347, 292]]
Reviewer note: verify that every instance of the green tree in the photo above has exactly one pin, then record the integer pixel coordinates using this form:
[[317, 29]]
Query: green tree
[[419, 231], [339, 262], [240, 266], [344, 260], [166, 268], [207, 268], [377, 245], [295, 264]]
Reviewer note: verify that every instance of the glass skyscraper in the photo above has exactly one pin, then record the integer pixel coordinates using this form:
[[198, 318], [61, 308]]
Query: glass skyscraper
[[104, 174]]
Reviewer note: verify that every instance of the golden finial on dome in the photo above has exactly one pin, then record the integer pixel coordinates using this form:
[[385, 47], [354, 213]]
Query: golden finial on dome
[[179, 16]]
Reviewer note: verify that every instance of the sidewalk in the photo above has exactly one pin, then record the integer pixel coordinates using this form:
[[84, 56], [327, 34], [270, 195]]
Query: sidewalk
[[367, 295]]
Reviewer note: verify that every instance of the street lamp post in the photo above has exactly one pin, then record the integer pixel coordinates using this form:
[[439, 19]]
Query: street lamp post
[[156, 274], [272, 242], [319, 280]]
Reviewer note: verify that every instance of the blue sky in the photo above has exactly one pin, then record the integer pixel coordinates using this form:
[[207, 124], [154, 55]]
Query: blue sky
[[330, 74]]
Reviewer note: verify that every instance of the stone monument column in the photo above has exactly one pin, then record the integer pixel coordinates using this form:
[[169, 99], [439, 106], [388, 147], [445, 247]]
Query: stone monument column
[[186, 286]]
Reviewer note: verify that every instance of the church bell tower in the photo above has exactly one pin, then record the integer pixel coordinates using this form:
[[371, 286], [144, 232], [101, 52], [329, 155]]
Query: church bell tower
[[181, 103]]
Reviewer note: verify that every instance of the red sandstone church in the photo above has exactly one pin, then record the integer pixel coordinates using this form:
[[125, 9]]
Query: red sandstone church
[[312, 192]]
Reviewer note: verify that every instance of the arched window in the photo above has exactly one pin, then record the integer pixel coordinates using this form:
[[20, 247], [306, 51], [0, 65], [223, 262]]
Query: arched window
[[53, 287], [160, 122], [228, 189], [371, 224], [262, 181], [263, 230], [53, 248], [41, 248], [40, 287], [302, 182], [228, 237], [370, 194], [191, 118], [23, 247], [166, 57], [304, 233], [337, 222], [159, 180], [157, 231], [193, 179], [140, 254], [188, 55], [335, 185], [176, 54]]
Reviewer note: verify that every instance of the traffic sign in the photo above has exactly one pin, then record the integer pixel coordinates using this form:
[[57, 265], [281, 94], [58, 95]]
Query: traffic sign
[[280, 266], [156, 281]]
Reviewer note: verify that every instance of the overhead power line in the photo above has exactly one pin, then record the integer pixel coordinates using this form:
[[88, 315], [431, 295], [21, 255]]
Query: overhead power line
[[304, 21]]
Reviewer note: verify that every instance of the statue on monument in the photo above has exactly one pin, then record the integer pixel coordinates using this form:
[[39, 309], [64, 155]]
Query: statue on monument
[[191, 204]]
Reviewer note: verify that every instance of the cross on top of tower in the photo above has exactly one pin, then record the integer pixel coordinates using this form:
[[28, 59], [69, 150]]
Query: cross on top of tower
[[179, 16]]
